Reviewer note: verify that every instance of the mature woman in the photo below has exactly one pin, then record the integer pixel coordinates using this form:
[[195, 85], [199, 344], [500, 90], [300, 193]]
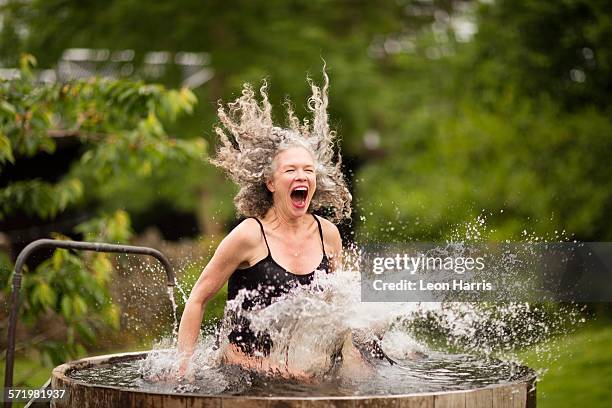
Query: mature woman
[[284, 174]]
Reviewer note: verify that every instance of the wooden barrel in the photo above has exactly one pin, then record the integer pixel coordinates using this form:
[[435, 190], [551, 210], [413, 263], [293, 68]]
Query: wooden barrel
[[520, 394]]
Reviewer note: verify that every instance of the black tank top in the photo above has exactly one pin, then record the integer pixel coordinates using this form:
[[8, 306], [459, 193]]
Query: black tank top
[[271, 281]]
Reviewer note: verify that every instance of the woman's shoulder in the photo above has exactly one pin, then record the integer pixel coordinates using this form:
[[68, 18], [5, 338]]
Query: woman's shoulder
[[328, 227], [326, 224], [247, 233]]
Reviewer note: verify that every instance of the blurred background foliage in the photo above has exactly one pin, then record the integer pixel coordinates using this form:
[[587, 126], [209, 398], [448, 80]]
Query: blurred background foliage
[[443, 113], [448, 110]]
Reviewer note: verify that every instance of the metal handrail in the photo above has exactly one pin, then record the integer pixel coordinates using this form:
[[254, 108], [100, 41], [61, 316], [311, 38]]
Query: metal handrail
[[51, 243]]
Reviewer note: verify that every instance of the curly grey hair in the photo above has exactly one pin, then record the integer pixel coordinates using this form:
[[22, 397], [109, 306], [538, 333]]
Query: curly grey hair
[[249, 142]]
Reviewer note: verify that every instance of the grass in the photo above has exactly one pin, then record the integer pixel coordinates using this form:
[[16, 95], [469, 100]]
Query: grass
[[28, 373], [581, 373]]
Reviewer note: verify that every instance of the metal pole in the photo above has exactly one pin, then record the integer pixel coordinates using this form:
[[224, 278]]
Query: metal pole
[[51, 243]]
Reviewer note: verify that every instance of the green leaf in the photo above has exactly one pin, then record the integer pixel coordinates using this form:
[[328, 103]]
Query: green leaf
[[151, 126], [6, 149], [26, 63], [66, 306], [102, 268], [79, 306], [58, 258], [45, 295], [7, 108], [188, 100]]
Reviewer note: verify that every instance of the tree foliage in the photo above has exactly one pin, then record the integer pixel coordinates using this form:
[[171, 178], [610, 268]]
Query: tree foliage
[[120, 124], [515, 129], [121, 127], [465, 124]]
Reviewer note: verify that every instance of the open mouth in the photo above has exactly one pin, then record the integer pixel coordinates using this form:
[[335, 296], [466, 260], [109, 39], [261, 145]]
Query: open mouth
[[298, 196]]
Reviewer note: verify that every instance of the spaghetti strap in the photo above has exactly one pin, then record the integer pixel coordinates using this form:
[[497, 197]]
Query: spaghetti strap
[[320, 233], [264, 235]]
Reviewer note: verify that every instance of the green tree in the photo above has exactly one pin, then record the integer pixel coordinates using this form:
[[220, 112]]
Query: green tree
[[465, 124], [120, 125], [246, 41], [558, 50], [515, 128]]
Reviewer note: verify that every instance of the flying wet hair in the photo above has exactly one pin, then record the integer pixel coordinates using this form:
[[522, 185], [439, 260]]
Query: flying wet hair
[[249, 142]]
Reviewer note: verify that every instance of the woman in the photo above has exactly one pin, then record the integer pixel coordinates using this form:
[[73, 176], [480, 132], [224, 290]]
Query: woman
[[283, 175]]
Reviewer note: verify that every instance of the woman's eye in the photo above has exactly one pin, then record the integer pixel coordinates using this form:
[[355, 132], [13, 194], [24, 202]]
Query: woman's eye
[[309, 171], [289, 170]]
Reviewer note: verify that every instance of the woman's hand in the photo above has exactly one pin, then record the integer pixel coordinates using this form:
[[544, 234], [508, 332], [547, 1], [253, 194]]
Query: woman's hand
[[183, 372], [171, 375], [353, 363]]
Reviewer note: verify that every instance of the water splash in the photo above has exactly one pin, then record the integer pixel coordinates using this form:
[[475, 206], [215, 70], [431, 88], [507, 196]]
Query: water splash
[[170, 291], [312, 324], [182, 292]]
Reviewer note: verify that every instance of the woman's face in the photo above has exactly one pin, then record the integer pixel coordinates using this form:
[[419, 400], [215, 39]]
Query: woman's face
[[293, 181]]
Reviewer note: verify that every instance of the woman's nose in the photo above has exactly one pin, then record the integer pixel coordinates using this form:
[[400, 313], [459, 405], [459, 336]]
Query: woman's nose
[[300, 175]]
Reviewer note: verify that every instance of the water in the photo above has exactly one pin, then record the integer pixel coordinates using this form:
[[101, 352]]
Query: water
[[170, 290], [435, 373]]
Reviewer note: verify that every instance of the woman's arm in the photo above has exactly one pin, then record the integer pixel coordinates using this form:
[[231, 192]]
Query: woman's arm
[[235, 249]]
